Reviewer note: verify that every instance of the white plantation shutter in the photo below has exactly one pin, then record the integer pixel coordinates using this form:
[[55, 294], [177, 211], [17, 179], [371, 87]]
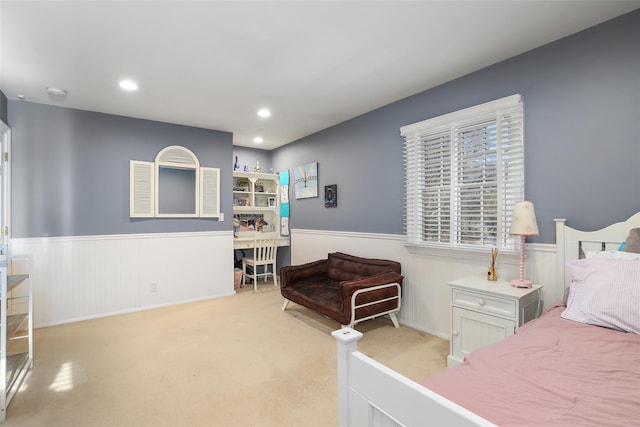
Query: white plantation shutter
[[141, 191], [434, 186], [209, 192], [464, 172]]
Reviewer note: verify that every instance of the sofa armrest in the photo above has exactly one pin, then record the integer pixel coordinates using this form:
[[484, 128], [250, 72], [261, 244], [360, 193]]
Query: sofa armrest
[[347, 288], [371, 297], [293, 275]]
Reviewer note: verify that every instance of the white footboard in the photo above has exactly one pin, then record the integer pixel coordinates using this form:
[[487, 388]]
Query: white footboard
[[371, 394]]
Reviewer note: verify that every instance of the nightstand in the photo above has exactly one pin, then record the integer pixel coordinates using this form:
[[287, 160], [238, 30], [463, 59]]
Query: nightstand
[[485, 312]]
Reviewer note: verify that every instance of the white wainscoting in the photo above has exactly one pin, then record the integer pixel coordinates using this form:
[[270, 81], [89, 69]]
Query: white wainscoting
[[426, 296], [78, 278]]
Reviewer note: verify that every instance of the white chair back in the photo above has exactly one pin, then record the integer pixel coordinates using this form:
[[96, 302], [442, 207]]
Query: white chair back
[[265, 247], [265, 250]]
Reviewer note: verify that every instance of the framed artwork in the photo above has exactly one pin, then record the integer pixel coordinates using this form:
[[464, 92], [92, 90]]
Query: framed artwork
[[306, 181], [331, 196], [272, 202]]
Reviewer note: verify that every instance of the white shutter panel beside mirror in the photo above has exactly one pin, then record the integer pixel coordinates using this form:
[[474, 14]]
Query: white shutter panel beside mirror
[[141, 191], [210, 192]]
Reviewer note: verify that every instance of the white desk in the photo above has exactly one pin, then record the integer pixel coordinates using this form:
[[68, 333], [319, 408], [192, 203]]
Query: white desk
[[247, 242]]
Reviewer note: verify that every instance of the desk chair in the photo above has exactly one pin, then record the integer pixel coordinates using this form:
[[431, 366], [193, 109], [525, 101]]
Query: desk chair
[[265, 248]]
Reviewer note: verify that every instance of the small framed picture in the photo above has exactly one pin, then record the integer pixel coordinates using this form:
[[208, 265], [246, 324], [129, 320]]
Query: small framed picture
[[272, 202], [331, 196]]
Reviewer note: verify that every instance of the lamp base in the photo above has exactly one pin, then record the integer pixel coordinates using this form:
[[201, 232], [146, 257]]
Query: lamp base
[[520, 283]]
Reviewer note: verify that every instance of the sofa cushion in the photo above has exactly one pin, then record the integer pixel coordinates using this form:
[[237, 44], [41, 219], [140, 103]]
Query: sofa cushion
[[322, 297], [348, 267]]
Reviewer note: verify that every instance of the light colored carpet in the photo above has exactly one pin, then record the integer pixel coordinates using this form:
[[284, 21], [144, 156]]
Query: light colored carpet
[[234, 361]]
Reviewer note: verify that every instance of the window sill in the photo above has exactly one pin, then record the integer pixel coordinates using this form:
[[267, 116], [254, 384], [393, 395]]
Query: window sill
[[468, 254]]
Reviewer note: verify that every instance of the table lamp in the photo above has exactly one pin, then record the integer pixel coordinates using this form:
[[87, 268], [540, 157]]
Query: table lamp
[[523, 224]]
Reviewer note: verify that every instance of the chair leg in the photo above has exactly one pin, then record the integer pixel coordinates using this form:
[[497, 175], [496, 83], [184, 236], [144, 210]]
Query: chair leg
[[255, 277], [244, 274], [275, 277], [394, 320], [284, 306]]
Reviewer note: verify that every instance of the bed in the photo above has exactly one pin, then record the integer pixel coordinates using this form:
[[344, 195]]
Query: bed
[[577, 364]]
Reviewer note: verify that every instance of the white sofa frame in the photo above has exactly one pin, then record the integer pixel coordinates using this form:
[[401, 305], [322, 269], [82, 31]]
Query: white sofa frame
[[393, 313]]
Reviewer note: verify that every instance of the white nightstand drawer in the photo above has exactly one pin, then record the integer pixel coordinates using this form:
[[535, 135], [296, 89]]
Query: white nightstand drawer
[[484, 302]]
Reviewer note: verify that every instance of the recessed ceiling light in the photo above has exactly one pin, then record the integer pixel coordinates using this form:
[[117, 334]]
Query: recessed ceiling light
[[258, 140], [57, 91], [264, 113], [128, 85], [21, 97]]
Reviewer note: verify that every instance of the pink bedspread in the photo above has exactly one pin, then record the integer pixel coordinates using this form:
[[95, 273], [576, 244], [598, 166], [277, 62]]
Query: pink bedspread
[[553, 372]]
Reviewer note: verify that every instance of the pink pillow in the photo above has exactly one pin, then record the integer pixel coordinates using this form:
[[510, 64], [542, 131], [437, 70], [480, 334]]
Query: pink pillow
[[605, 292]]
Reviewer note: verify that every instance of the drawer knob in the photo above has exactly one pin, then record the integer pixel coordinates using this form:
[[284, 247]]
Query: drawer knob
[[454, 333], [481, 302]]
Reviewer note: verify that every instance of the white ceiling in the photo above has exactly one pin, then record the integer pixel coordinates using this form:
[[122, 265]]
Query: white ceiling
[[213, 64]]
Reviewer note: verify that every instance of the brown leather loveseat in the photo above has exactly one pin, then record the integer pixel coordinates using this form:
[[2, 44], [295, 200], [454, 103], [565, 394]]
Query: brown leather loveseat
[[345, 288]]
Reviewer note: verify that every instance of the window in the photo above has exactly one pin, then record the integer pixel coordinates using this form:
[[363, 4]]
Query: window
[[464, 171]]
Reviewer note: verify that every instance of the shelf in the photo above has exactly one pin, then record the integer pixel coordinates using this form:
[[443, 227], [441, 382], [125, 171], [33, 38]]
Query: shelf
[[16, 369], [256, 175], [16, 349], [254, 209], [14, 321], [255, 203], [14, 280]]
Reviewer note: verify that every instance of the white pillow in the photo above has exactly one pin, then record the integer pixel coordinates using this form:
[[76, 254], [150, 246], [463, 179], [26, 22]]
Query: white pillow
[[611, 255], [605, 292]]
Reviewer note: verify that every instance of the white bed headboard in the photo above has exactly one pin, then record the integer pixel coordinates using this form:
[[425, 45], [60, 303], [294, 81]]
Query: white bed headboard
[[569, 241]]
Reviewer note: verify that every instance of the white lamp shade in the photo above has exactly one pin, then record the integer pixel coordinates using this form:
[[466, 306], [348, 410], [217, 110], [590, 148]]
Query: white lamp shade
[[524, 221]]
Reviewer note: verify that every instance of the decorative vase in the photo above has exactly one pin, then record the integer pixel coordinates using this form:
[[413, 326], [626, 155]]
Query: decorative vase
[[492, 275]]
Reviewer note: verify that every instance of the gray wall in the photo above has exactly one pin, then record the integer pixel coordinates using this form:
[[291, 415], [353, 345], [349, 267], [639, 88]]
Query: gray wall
[[70, 173], [248, 157], [363, 157], [582, 137], [582, 106]]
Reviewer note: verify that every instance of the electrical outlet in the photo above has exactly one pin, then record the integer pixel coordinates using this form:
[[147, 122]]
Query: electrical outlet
[[221, 217], [154, 287]]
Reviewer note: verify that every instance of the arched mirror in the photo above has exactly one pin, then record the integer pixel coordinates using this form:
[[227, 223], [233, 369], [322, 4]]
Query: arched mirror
[[177, 182], [174, 186]]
